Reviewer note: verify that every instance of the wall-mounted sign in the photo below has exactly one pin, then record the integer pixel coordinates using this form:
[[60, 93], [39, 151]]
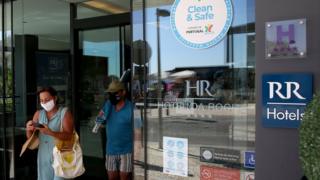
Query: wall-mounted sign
[[248, 175], [285, 97], [202, 23], [218, 173], [175, 156], [249, 159], [220, 155], [52, 68], [286, 39]]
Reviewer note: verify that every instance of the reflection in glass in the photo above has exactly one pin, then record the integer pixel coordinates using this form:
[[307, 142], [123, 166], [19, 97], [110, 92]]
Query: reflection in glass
[[99, 63], [206, 96]]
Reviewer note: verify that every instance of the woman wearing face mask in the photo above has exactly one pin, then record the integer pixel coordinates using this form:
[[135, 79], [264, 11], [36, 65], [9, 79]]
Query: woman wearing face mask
[[47, 121]]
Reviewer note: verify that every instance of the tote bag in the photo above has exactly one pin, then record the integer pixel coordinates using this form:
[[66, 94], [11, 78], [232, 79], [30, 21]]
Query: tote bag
[[68, 163]]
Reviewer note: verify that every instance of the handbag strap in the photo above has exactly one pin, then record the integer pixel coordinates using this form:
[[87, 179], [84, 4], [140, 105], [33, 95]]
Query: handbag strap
[[63, 111]]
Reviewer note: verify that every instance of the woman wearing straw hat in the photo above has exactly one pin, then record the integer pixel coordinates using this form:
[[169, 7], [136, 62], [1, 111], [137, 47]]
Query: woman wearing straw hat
[[47, 122]]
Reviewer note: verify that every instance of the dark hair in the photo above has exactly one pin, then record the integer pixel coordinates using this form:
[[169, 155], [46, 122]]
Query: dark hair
[[49, 89]]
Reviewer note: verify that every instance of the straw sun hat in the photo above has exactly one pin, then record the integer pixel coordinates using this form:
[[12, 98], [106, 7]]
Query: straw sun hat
[[115, 86], [31, 143]]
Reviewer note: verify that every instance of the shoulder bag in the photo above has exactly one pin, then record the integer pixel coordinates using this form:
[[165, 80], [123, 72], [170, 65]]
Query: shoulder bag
[[68, 161]]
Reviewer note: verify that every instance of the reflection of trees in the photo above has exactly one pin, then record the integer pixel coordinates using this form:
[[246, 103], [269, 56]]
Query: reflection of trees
[[7, 82]]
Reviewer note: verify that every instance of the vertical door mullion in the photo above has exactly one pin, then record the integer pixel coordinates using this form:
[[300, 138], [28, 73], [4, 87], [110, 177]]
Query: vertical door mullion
[[3, 94], [145, 74], [13, 111], [121, 44], [74, 39]]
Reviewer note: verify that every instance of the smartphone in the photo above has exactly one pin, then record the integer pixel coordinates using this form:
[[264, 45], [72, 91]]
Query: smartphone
[[38, 125]]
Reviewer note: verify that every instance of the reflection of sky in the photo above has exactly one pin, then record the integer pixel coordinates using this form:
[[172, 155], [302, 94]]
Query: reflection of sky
[[7, 34], [108, 49], [175, 54]]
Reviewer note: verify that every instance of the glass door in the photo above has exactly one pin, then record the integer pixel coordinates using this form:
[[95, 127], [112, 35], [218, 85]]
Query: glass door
[[7, 133], [199, 104], [102, 59]]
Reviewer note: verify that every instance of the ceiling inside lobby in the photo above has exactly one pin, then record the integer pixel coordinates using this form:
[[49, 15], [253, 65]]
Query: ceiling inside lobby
[[49, 19]]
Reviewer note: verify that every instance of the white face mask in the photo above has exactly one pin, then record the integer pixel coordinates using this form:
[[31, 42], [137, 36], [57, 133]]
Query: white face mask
[[48, 106]]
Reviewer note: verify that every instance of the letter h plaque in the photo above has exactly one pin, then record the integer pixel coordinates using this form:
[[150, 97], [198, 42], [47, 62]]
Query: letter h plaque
[[286, 39]]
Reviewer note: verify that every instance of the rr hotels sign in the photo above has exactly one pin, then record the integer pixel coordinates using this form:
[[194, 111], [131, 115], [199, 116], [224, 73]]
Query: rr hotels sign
[[285, 97]]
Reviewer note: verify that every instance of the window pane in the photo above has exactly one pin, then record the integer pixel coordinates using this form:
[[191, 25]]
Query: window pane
[[204, 96]]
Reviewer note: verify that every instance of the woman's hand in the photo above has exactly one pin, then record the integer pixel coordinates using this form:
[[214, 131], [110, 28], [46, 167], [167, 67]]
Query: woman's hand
[[29, 126], [45, 130]]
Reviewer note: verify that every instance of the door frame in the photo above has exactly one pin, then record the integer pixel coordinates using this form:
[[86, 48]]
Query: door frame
[[77, 25], [7, 119]]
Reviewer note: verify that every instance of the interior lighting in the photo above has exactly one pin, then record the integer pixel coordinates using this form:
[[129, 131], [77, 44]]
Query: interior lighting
[[105, 7]]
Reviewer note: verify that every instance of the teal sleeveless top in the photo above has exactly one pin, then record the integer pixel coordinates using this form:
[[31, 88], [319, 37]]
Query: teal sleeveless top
[[45, 170]]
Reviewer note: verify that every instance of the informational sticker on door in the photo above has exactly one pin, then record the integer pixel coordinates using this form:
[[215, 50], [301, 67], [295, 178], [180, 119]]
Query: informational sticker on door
[[217, 173], [284, 99], [249, 159], [202, 23], [248, 176], [175, 156], [220, 155]]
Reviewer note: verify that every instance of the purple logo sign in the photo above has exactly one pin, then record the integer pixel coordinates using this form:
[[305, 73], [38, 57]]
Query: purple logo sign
[[286, 39]]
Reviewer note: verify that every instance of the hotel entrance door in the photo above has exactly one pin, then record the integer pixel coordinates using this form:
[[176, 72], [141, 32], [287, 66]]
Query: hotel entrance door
[[102, 60], [101, 54]]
